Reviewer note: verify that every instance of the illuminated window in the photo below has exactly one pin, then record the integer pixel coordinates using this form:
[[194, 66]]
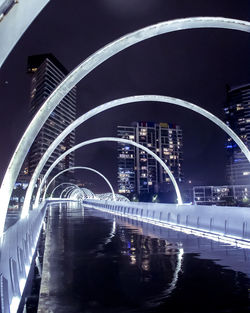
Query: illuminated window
[[246, 173]]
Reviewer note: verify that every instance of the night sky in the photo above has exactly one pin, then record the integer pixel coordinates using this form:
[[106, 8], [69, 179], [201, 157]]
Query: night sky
[[194, 65]]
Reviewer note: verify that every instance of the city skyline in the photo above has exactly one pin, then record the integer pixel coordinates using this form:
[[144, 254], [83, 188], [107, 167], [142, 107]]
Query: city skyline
[[210, 59]]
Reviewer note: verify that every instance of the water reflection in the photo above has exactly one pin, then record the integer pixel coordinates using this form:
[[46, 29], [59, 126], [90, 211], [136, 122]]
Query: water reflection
[[97, 262]]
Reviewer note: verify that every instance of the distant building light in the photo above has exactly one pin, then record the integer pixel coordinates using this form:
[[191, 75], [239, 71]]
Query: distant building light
[[237, 160]]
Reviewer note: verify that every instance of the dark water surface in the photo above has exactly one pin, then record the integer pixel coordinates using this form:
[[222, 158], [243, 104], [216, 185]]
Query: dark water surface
[[101, 263]]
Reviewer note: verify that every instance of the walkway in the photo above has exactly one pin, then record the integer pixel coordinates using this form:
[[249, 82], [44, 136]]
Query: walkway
[[100, 263]]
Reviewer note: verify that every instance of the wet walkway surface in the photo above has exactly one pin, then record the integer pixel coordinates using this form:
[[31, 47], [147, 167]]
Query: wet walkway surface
[[96, 262]]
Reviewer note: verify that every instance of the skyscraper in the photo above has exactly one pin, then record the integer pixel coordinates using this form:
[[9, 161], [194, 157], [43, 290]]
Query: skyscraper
[[237, 116], [139, 172], [46, 73]]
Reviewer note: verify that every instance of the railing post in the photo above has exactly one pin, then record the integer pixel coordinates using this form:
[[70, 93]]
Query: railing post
[[244, 229], [198, 222], [211, 224], [226, 225], [160, 217], [178, 218], [169, 215]]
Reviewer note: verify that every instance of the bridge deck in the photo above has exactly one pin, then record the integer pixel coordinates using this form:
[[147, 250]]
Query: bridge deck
[[87, 260]]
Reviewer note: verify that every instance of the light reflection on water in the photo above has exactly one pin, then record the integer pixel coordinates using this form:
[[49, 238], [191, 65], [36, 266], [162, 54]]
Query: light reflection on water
[[112, 264]]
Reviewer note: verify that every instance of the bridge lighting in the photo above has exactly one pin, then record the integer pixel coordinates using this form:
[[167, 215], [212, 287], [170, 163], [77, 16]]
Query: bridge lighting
[[219, 237], [84, 69], [22, 283], [69, 169], [14, 304], [26, 205]]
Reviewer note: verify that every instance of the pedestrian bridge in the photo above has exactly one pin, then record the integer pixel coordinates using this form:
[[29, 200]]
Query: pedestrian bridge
[[18, 242], [226, 224]]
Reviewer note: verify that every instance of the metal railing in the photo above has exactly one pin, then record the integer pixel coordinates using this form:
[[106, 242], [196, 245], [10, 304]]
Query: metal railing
[[228, 224], [17, 250]]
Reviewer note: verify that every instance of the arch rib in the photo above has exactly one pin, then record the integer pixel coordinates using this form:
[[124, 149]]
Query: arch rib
[[25, 210], [52, 193], [68, 189], [81, 71], [115, 103], [80, 168]]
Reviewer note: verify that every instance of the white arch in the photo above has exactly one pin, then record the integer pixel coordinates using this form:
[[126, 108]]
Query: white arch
[[108, 196], [15, 22], [81, 168], [51, 195], [69, 188], [88, 193], [77, 192], [69, 192], [115, 103], [81, 71], [25, 209]]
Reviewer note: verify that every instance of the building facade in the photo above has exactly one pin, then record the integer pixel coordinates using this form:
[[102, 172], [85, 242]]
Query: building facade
[[46, 73], [237, 116], [139, 172], [221, 195]]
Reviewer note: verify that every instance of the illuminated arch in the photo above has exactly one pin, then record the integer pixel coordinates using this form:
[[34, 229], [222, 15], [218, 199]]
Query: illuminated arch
[[77, 192], [71, 191], [19, 14], [84, 69], [67, 189], [115, 103], [52, 193], [88, 193], [108, 197], [81, 168], [25, 209]]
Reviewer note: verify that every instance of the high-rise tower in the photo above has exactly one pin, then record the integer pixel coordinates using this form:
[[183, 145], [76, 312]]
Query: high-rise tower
[[237, 115], [140, 172], [46, 74]]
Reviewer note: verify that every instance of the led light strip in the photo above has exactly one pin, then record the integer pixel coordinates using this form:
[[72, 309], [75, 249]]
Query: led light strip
[[233, 241]]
